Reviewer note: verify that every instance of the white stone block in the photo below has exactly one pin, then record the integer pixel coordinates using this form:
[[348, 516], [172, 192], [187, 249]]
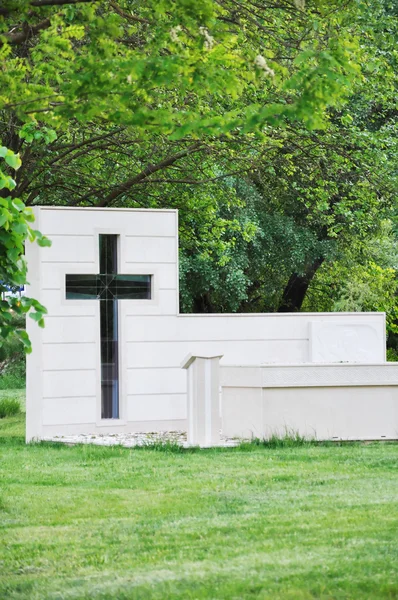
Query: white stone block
[[80, 221], [208, 328], [156, 381], [343, 413], [163, 406], [242, 412], [58, 306], [165, 304], [324, 402], [168, 277], [70, 356], [69, 329], [67, 384], [151, 250], [203, 405], [69, 411], [353, 341], [168, 354], [53, 273], [72, 249]]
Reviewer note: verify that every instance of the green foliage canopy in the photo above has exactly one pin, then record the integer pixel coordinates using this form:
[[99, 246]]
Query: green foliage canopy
[[271, 128], [170, 66], [15, 229]]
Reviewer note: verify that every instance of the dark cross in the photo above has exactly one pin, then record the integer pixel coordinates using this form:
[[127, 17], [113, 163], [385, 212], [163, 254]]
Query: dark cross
[[108, 287]]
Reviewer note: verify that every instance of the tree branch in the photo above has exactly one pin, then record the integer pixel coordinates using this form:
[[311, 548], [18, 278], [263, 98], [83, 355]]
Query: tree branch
[[127, 16], [39, 3], [149, 169], [26, 33], [92, 140], [57, 2], [29, 31], [189, 181]]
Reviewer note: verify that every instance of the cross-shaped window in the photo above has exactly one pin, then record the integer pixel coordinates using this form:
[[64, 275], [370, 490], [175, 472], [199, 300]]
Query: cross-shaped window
[[108, 286]]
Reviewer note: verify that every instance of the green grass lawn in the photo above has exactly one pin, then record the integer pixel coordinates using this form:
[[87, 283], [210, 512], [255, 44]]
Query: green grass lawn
[[289, 523]]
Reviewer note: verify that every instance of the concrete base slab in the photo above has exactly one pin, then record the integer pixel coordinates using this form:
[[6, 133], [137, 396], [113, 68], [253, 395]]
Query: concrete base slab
[[131, 440]]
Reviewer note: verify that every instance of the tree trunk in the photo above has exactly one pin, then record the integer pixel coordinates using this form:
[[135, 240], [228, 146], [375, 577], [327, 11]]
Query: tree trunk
[[296, 289], [202, 304]]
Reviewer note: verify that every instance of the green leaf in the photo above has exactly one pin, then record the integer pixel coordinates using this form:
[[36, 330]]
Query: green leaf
[[20, 228], [13, 160], [12, 254], [18, 204], [43, 241], [23, 336], [36, 316], [6, 182], [50, 136]]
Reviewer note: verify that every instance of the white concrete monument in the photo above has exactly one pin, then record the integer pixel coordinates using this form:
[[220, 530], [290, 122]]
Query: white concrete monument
[[109, 357]]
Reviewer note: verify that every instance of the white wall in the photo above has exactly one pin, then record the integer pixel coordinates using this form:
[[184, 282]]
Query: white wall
[[325, 402], [63, 381]]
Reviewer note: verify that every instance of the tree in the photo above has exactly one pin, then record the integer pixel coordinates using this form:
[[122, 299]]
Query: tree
[[151, 83], [133, 103], [317, 199], [15, 228]]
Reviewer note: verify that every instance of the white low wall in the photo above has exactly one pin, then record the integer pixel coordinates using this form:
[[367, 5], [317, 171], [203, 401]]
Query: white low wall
[[326, 402]]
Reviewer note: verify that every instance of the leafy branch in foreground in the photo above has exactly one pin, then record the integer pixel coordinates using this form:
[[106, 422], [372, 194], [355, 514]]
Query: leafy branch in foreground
[[15, 229]]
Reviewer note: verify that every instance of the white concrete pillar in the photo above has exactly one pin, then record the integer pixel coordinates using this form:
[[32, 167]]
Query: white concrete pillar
[[204, 422]]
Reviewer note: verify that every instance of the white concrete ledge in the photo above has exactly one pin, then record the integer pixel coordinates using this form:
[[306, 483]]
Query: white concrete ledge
[[188, 360], [310, 375]]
